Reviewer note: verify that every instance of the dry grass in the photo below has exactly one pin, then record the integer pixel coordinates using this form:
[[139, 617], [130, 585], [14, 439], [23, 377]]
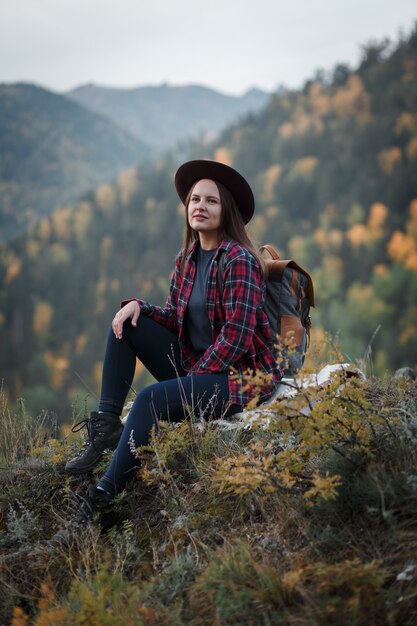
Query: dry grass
[[187, 553], [20, 434]]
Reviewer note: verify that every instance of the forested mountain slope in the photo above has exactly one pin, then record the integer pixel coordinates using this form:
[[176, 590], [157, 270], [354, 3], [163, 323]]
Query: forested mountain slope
[[52, 150], [335, 174], [334, 170]]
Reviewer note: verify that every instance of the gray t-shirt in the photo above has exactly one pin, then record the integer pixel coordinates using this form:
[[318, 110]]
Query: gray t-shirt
[[196, 316]]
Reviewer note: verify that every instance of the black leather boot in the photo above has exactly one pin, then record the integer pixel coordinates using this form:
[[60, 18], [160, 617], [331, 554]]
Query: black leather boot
[[104, 431], [96, 501]]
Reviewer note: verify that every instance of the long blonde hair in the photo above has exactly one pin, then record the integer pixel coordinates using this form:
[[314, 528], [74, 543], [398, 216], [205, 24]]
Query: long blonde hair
[[232, 226]]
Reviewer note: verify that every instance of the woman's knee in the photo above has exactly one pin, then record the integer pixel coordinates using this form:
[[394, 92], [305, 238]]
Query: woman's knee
[[155, 402], [144, 396], [151, 398], [139, 335], [142, 405]]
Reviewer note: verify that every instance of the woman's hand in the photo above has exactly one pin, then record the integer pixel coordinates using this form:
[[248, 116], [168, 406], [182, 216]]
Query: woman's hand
[[130, 310]]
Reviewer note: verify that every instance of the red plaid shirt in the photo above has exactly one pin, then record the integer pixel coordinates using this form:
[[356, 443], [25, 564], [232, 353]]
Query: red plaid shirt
[[242, 339]]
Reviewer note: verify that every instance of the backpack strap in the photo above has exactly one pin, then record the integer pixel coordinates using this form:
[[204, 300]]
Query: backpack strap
[[273, 252]]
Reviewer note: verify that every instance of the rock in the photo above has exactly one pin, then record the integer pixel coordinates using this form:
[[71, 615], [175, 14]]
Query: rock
[[406, 372]]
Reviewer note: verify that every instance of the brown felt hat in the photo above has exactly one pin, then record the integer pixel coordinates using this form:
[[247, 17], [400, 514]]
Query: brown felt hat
[[192, 171]]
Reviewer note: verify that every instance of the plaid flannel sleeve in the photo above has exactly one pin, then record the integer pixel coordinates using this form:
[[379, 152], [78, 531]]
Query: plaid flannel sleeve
[[242, 296]]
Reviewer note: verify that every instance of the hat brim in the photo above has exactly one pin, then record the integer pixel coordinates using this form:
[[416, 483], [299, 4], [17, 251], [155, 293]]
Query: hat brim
[[192, 171]]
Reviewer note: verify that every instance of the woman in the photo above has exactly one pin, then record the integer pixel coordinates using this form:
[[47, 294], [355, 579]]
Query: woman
[[199, 345]]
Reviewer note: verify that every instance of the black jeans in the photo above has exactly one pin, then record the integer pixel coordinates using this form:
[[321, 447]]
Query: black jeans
[[172, 398]]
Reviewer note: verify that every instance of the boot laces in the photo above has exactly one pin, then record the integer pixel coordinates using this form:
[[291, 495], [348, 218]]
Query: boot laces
[[93, 433]]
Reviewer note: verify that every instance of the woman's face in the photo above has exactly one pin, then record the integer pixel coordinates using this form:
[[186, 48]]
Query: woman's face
[[205, 210]]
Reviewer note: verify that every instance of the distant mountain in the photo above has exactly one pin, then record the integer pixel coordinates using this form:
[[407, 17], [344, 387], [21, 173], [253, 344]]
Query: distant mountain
[[51, 151], [164, 115]]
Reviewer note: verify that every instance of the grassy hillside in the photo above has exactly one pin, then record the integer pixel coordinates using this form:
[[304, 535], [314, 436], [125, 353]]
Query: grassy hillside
[[308, 520], [53, 150], [165, 115]]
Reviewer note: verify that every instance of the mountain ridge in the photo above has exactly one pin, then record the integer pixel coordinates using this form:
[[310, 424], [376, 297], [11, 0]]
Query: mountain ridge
[[164, 115], [52, 151], [54, 148]]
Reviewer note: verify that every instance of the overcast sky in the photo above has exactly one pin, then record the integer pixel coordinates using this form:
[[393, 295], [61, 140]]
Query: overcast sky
[[230, 45]]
